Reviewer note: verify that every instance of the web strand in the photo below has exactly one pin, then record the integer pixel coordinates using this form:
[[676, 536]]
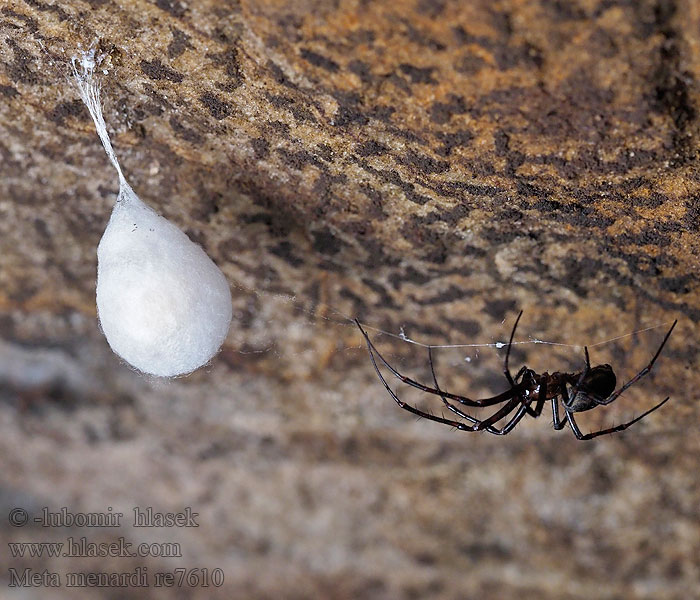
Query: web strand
[[89, 88], [346, 320]]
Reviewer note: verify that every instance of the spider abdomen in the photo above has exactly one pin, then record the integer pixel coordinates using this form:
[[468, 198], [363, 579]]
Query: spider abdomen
[[598, 384]]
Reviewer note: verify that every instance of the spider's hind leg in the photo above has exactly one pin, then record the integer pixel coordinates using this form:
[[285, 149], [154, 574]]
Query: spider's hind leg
[[559, 424], [574, 390], [590, 436], [643, 372]]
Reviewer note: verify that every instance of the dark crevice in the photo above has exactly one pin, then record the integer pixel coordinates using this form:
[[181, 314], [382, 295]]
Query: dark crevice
[[671, 84]]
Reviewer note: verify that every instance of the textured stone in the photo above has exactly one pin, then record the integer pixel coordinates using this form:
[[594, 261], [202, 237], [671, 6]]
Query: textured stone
[[431, 165]]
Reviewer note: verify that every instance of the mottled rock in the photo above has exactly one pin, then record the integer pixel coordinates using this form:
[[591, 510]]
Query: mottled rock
[[434, 166]]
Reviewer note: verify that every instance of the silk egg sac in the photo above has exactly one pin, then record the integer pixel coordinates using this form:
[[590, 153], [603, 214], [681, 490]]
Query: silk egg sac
[[163, 305]]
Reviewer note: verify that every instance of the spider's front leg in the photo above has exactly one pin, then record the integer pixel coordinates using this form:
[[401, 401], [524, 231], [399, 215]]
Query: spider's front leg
[[502, 397], [451, 407], [511, 396], [401, 403]]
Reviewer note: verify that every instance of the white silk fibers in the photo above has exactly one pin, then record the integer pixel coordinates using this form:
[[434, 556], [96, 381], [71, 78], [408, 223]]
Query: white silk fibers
[[163, 305]]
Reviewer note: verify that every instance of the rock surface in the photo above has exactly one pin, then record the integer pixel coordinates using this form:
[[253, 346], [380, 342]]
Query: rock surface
[[427, 165]]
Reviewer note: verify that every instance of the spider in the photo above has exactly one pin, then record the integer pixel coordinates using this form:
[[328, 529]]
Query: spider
[[577, 392]]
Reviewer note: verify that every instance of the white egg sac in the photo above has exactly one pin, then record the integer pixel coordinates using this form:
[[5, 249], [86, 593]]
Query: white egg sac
[[163, 305]]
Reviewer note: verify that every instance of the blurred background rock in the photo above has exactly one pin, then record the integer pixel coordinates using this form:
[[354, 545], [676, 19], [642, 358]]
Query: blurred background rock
[[427, 165]]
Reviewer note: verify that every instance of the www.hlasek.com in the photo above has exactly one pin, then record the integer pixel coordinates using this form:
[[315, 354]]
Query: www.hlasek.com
[[81, 547]]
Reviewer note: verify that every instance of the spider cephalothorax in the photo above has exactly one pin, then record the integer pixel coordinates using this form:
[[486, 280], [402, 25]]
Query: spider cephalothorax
[[528, 392]]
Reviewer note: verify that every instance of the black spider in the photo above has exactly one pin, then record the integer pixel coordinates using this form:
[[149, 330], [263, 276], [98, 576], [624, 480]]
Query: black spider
[[594, 386]]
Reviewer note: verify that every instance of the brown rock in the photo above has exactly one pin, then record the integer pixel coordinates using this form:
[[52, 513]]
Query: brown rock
[[429, 165]]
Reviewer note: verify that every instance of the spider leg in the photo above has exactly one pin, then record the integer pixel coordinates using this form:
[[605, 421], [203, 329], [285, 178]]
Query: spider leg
[[559, 424], [508, 427], [642, 373], [590, 436], [506, 371], [522, 411], [512, 380], [487, 424], [541, 399], [407, 380], [494, 430], [408, 407], [452, 407], [573, 425], [520, 373], [574, 390], [567, 413], [502, 412], [478, 425]]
